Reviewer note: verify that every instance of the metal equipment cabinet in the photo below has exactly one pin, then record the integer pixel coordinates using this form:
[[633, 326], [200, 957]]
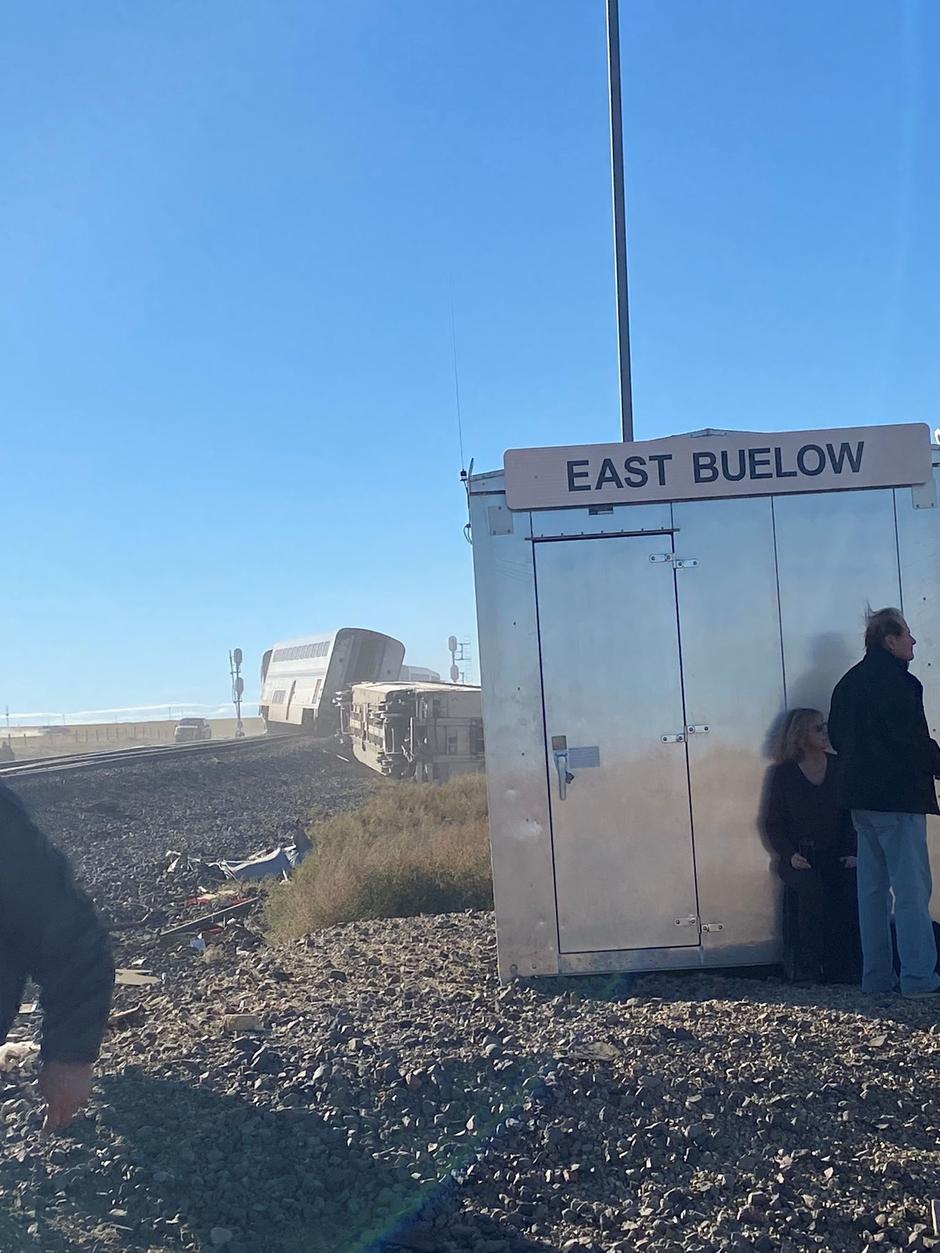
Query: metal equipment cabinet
[[636, 661]]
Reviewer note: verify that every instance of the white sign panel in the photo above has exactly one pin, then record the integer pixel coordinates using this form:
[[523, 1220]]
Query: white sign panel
[[694, 467]]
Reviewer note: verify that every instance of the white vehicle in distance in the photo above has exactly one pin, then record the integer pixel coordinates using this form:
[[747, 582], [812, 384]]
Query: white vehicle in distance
[[300, 678], [189, 730]]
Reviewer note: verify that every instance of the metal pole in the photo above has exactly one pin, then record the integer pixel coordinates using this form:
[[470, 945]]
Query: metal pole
[[235, 668], [620, 219]]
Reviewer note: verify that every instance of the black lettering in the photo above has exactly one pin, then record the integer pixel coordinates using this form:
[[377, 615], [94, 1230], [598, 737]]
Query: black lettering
[[661, 458], [636, 474], [759, 459], [801, 460], [704, 467], [578, 474], [837, 459], [726, 467], [608, 474], [778, 463]]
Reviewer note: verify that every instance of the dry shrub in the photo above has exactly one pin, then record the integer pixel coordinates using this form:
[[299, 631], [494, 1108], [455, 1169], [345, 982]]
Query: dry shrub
[[411, 849]]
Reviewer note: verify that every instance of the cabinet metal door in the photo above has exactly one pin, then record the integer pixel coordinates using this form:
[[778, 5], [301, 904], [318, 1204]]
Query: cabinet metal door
[[733, 682], [614, 723], [837, 553]]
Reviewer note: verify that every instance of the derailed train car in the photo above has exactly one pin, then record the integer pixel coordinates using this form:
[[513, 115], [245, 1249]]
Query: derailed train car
[[430, 732], [300, 678]]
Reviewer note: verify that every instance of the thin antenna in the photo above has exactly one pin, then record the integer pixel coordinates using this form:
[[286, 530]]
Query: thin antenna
[[620, 219], [453, 335]]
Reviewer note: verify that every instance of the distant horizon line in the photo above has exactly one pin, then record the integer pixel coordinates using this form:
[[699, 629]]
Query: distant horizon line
[[126, 713]]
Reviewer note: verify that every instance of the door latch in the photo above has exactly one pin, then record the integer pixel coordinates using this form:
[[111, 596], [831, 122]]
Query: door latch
[[564, 774]]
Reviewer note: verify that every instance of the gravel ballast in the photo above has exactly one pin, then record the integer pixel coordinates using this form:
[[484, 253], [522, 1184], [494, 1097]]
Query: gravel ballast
[[378, 1089]]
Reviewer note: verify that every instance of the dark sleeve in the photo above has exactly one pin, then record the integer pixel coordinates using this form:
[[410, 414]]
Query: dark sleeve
[[777, 822], [848, 839], [903, 723], [51, 925], [838, 716]]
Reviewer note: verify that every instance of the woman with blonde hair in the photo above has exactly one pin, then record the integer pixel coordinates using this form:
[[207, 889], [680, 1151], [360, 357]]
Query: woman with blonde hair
[[815, 842]]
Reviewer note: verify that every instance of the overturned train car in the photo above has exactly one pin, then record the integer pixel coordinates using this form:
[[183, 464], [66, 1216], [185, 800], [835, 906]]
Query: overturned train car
[[300, 678], [430, 732]]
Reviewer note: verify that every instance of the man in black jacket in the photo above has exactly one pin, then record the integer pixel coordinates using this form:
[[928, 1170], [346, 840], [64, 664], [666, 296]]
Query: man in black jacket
[[49, 932], [887, 766]]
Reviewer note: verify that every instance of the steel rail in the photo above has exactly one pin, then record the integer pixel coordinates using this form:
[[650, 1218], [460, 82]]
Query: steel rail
[[126, 756]]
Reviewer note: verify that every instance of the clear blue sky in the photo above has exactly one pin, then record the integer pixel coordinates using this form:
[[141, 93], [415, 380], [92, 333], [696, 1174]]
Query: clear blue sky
[[231, 233]]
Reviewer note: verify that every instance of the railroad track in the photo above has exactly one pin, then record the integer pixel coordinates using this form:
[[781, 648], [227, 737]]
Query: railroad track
[[125, 756]]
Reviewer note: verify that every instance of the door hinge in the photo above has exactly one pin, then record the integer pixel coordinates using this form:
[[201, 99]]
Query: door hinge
[[713, 926], [700, 728], [673, 739], [924, 495], [690, 921]]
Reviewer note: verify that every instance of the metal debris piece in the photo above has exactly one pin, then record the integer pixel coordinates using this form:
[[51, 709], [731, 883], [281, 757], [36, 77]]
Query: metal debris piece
[[207, 920], [135, 978], [124, 1018]]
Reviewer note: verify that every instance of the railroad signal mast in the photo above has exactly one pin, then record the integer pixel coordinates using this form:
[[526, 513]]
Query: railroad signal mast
[[238, 688], [459, 655]]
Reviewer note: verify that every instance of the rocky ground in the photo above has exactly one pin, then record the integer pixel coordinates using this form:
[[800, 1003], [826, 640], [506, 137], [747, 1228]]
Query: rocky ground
[[373, 1087], [117, 822]]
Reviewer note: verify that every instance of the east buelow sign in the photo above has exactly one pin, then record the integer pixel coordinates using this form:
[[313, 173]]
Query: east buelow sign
[[693, 467]]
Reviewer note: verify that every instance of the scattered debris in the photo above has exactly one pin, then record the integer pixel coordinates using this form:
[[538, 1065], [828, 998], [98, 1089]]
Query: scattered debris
[[15, 1055], [278, 863], [272, 863], [122, 1019], [207, 920], [177, 862], [126, 976]]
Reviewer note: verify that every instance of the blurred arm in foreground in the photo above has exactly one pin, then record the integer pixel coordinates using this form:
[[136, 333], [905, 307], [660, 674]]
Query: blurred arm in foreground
[[49, 932]]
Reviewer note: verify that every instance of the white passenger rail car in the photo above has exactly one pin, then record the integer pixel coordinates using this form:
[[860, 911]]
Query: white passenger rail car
[[300, 678], [430, 732], [419, 674]]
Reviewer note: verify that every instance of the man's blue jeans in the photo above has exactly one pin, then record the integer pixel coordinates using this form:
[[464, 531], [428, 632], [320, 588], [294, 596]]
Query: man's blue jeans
[[892, 853]]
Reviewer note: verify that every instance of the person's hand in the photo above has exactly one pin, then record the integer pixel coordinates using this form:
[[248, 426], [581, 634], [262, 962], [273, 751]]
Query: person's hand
[[850, 862], [66, 1087], [799, 862]]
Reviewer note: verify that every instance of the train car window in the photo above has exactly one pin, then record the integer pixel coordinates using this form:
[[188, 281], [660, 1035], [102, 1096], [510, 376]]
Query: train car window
[[301, 652]]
